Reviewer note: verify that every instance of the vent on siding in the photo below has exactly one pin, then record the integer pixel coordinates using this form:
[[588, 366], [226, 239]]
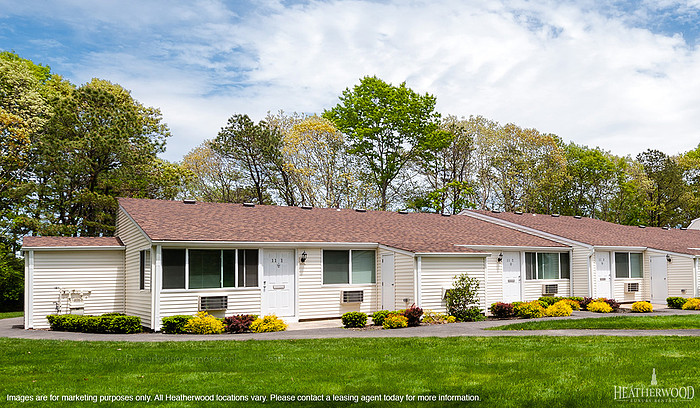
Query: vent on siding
[[632, 287], [213, 303], [551, 289], [352, 296]]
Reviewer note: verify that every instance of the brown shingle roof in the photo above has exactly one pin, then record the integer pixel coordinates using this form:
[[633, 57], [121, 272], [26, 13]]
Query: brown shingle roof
[[602, 233], [415, 232], [56, 242]]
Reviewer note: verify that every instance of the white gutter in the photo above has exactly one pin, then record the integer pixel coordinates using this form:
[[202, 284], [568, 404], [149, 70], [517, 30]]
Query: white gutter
[[517, 248], [458, 254], [75, 248], [264, 244]]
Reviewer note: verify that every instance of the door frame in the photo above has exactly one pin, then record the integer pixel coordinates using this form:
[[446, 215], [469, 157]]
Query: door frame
[[596, 278], [521, 260], [264, 308]]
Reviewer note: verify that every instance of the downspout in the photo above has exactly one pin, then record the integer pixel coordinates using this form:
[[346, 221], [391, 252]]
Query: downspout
[[590, 272], [418, 281], [156, 277], [29, 290]]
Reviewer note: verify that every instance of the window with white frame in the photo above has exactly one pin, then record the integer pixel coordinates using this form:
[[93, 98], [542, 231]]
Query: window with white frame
[[547, 265], [628, 265], [209, 268], [349, 266]]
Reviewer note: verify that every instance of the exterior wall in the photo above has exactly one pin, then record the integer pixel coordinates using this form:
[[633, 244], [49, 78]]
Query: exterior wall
[[532, 289], [180, 301], [99, 271], [138, 302], [404, 280], [494, 279], [437, 273], [579, 271], [316, 300], [680, 276]]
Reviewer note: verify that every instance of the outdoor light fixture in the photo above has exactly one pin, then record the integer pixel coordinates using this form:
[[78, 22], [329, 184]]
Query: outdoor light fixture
[[303, 257], [500, 257], [668, 258]]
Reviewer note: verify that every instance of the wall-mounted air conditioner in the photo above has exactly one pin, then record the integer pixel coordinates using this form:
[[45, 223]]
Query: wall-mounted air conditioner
[[352, 296], [550, 289], [213, 303]]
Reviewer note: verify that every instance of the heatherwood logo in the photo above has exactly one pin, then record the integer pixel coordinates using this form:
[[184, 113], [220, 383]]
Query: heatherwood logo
[[654, 393]]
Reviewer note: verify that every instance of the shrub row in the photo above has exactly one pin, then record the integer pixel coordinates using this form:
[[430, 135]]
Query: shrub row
[[106, 323], [544, 306], [677, 302], [430, 317], [412, 315], [692, 304], [204, 323], [614, 306]]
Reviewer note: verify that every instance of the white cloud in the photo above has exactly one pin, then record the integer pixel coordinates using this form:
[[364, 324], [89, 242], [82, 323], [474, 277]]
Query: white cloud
[[594, 76]]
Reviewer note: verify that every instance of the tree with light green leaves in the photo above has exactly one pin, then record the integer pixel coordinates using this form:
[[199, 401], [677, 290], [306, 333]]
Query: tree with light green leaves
[[387, 127]]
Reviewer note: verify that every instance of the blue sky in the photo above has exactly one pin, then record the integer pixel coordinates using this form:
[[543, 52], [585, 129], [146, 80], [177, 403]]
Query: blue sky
[[622, 75]]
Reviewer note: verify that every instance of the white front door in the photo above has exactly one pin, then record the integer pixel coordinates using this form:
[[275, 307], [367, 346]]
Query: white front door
[[388, 282], [278, 282], [511, 277], [603, 279], [659, 283]]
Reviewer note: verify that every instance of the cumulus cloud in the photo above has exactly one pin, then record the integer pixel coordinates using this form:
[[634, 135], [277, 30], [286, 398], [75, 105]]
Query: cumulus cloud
[[609, 77]]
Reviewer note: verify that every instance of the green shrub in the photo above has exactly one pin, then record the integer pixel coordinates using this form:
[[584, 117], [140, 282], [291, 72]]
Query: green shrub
[[642, 307], [204, 323], [599, 307], [561, 308], [395, 321], [379, 316], [675, 302], [549, 300], [461, 300], [107, 323], [692, 304], [269, 323], [529, 310], [354, 319], [430, 317], [175, 324]]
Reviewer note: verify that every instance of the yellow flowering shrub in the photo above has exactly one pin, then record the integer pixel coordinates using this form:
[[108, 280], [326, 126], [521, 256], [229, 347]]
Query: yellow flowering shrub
[[204, 323], [267, 324], [692, 304], [573, 304], [560, 308], [642, 307], [599, 307], [529, 310], [395, 321]]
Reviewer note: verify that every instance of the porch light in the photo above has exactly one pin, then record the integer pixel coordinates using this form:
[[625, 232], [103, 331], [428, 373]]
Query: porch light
[[500, 257], [303, 257], [668, 258]]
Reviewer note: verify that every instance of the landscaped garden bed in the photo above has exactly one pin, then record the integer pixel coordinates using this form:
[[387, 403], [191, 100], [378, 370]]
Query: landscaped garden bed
[[627, 322]]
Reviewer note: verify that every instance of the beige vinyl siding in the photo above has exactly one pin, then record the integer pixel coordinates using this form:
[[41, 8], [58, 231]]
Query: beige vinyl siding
[[404, 280], [316, 300], [494, 279], [579, 271], [138, 302], [437, 273], [240, 301], [99, 271], [680, 276], [533, 289], [619, 284]]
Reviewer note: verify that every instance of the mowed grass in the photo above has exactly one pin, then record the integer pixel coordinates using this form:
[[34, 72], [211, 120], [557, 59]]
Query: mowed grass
[[503, 371], [7, 315], [615, 322]]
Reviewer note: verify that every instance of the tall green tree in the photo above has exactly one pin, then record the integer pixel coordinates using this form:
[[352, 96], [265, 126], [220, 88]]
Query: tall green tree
[[386, 127], [666, 189], [99, 143]]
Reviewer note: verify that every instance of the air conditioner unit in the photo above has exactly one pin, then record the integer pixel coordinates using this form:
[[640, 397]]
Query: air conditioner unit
[[551, 289], [213, 303], [632, 287], [352, 296]]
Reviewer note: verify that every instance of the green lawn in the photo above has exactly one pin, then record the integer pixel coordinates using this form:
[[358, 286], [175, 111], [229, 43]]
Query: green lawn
[[614, 322], [7, 315], [502, 371]]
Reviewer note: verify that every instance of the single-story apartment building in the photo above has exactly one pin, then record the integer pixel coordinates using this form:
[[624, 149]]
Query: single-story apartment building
[[300, 263], [303, 263], [627, 263]]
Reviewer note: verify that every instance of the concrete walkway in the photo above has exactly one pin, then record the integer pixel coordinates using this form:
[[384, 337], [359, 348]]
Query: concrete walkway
[[13, 328]]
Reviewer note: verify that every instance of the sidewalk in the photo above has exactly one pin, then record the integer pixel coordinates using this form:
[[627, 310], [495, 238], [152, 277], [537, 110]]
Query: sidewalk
[[324, 329]]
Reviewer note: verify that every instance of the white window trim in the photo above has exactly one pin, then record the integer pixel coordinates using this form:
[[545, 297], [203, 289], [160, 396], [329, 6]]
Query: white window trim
[[221, 276], [350, 282], [537, 266], [629, 265]]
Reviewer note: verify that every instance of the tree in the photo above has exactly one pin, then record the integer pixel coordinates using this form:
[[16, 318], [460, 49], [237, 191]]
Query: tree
[[99, 143], [248, 146], [317, 161], [666, 189], [387, 126], [11, 281], [213, 178]]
